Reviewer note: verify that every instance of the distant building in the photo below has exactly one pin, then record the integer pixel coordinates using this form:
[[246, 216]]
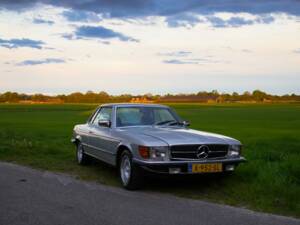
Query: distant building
[[267, 100], [189, 98], [220, 99], [211, 101], [48, 101], [141, 100]]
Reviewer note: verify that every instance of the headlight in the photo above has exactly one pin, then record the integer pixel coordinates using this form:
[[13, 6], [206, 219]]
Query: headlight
[[157, 153], [234, 150]]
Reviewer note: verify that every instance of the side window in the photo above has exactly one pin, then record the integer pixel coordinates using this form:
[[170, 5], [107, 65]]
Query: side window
[[92, 117], [103, 114]]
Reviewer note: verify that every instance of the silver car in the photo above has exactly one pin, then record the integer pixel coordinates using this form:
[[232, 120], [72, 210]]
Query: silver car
[[148, 137]]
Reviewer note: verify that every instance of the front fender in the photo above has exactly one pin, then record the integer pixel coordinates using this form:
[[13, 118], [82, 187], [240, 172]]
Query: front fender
[[121, 146], [125, 145]]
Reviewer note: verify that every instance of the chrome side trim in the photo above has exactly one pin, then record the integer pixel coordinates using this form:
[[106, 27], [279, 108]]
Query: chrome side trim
[[100, 149]]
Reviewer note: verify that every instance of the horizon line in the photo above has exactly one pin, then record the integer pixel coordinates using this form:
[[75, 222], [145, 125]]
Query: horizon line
[[149, 93]]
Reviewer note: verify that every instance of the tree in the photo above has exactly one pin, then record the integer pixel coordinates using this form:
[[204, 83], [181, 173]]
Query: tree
[[259, 95]]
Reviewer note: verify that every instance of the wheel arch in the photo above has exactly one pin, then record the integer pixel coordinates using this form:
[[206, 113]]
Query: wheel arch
[[121, 148]]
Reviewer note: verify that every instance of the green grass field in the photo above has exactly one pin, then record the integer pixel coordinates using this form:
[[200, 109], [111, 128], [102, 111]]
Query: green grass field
[[39, 136]]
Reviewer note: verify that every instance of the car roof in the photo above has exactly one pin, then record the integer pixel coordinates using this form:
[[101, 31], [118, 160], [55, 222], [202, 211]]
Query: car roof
[[133, 105]]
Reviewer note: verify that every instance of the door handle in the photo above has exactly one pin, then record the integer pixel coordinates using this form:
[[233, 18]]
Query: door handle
[[91, 132]]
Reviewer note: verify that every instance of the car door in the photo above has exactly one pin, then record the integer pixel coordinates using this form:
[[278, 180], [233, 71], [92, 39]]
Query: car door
[[100, 138]]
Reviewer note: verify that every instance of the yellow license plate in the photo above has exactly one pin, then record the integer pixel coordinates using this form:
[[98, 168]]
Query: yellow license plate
[[205, 168]]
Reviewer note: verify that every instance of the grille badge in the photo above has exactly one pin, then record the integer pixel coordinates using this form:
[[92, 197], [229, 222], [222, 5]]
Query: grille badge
[[202, 152]]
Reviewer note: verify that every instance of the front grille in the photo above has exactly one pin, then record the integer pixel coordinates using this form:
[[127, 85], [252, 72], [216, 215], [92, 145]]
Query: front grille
[[211, 151]]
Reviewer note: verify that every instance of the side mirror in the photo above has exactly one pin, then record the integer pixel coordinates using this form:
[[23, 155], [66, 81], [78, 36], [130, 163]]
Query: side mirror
[[185, 123], [104, 123]]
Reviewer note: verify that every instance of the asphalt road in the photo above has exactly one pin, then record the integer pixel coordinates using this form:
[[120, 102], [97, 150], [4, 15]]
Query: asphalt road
[[32, 197]]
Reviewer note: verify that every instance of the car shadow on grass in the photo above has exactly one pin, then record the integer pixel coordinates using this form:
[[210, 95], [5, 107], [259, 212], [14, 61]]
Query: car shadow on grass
[[107, 174], [211, 187], [198, 181]]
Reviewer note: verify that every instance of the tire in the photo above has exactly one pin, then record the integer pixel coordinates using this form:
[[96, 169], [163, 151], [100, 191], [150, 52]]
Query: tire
[[130, 174], [227, 173], [81, 157]]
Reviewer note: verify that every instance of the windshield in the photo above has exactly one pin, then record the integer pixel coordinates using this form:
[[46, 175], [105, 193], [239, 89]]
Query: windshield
[[140, 116]]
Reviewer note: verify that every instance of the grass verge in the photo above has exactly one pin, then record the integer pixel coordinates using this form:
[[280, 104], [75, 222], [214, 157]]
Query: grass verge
[[39, 136]]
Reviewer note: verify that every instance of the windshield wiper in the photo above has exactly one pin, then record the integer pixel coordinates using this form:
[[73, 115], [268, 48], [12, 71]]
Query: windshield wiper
[[175, 123], [165, 122]]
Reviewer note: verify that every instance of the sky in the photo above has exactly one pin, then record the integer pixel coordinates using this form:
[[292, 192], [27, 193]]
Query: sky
[[143, 46]]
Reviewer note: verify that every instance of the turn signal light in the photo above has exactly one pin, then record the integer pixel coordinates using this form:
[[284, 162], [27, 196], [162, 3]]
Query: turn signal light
[[144, 152]]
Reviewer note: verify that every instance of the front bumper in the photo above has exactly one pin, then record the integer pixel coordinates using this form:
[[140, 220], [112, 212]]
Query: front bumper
[[165, 167]]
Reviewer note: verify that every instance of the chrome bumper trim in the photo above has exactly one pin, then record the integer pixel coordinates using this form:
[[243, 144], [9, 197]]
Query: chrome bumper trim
[[172, 163]]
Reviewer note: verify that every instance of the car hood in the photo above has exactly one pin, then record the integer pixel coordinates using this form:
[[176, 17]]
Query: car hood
[[180, 135]]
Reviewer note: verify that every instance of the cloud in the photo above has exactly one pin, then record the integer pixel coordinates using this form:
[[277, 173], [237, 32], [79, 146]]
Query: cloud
[[187, 20], [237, 21], [142, 8], [186, 13], [97, 32], [265, 19], [39, 62], [297, 51], [176, 54], [68, 36], [246, 50], [42, 21], [195, 61], [177, 61], [18, 5], [20, 43], [187, 57], [81, 16], [184, 57], [217, 22]]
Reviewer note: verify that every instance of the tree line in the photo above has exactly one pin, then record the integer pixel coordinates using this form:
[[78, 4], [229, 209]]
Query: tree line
[[103, 97]]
